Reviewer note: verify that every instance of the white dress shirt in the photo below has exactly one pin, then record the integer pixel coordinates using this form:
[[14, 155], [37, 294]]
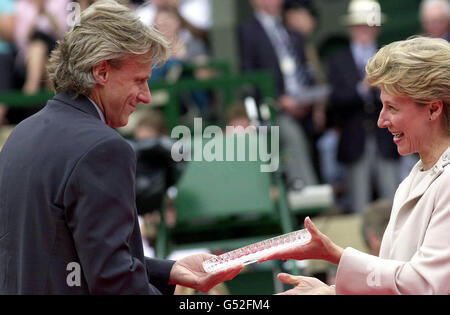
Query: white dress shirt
[[100, 113]]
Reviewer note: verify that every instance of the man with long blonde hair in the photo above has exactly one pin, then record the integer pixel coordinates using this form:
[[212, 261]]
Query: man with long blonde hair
[[68, 220]]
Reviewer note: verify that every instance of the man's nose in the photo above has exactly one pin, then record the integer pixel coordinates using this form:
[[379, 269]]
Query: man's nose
[[145, 95]]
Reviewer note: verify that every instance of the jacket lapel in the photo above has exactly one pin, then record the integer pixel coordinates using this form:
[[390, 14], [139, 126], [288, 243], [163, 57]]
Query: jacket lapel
[[405, 201]]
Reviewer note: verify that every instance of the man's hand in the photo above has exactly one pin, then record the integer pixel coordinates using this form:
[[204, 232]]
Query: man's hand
[[189, 272], [305, 285]]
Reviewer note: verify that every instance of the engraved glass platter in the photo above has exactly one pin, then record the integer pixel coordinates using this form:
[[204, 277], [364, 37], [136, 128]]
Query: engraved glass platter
[[252, 253]]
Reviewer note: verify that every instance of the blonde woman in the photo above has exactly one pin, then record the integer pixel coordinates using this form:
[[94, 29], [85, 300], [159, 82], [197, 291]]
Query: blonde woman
[[414, 258], [68, 220]]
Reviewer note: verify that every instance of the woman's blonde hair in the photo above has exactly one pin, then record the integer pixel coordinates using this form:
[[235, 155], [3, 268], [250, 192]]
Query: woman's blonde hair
[[107, 31], [418, 68]]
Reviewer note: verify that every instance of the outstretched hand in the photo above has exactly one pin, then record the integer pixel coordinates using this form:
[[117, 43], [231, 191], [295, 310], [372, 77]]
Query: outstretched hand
[[319, 247], [305, 285], [189, 272]]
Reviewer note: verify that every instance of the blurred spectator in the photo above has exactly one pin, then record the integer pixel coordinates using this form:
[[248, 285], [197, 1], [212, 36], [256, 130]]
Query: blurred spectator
[[42, 23], [155, 173], [153, 161], [368, 153], [189, 48], [331, 170], [237, 116], [7, 24], [195, 12], [266, 44], [435, 18], [168, 22], [194, 15], [301, 16], [183, 50]]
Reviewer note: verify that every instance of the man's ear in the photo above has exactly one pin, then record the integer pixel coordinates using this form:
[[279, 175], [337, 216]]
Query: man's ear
[[101, 72], [435, 109]]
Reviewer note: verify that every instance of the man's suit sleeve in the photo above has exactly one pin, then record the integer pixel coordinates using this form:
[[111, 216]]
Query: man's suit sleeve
[[158, 271], [100, 211]]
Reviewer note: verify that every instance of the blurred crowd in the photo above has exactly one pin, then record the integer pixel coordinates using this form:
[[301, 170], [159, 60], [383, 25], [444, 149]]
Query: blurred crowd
[[327, 115]]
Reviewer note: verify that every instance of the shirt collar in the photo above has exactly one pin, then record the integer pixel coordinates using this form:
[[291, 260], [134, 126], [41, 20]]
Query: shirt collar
[[100, 113]]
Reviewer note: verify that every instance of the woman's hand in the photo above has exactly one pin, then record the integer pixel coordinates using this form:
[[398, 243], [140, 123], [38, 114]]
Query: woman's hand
[[189, 272], [305, 285], [319, 247]]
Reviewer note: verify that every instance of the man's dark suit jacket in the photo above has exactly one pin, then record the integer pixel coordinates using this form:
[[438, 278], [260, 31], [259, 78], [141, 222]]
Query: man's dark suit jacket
[[67, 195], [447, 37], [258, 53], [354, 118]]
